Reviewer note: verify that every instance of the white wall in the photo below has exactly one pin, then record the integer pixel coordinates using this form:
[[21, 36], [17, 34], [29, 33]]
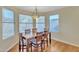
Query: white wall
[[68, 25]]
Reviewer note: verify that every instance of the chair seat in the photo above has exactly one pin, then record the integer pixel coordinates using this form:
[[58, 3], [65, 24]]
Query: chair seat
[[24, 42], [45, 39], [34, 41], [35, 44]]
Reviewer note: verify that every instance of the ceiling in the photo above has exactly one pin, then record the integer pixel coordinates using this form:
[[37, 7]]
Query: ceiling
[[40, 8]]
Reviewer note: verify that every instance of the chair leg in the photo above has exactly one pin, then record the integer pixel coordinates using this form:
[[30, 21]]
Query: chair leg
[[19, 48], [41, 46], [47, 42], [44, 46], [26, 49], [37, 48], [22, 50], [50, 38], [31, 47]]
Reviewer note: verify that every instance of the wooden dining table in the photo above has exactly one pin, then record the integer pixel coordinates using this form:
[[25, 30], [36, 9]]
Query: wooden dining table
[[30, 36]]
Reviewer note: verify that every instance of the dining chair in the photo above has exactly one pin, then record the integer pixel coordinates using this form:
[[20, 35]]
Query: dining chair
[[50, 37], [37, 43], [34, 30], [27, 31], [45, 37], [45, 29], [23, 44]]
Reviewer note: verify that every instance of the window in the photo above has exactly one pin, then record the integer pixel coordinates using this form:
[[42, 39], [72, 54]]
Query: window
[[54, 23], [7, 23], [40, 23], [25, 22]]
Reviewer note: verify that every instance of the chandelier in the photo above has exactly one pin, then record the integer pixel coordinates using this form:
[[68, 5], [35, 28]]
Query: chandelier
[[35, 14]]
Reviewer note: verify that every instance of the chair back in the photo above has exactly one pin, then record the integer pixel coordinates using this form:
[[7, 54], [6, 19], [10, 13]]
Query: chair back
[[34, 30], [45, 29], [27, 31], [46, 33], [22, 40], [38, 38]]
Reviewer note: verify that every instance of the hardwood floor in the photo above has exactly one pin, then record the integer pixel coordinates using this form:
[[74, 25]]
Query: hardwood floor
[[62, 47], [14, 49], [55, 46]]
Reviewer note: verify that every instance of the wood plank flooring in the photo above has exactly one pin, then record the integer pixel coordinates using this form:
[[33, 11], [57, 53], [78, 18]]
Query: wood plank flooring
[[55, 46], [14, 49]]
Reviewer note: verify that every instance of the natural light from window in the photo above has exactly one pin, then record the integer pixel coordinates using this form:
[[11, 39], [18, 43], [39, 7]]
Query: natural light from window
[[40, 24], [54, 23], [7, 23], [25, 22]]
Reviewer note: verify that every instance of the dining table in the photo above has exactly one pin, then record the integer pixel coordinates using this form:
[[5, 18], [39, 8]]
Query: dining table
[[31, 37]]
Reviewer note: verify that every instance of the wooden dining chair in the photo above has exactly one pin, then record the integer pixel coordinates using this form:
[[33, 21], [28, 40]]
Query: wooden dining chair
[[29, 45], [45, 37], [27, 31], [24, 44], [34, 30], [37, 43], [50, 37], [46, 29]]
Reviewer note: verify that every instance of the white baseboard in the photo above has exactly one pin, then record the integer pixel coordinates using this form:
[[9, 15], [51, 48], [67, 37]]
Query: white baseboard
[[11, 47], [66, 42]]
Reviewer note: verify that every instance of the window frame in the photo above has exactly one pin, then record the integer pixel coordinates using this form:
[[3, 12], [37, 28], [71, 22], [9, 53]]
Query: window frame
[[40, 22], [25, 22], [5, 22], [58, 23]]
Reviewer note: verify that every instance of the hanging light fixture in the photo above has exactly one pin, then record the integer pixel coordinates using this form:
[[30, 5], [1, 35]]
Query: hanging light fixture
[[35, 14]]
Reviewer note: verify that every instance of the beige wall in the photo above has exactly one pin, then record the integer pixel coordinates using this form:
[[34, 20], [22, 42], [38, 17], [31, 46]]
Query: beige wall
[[6, 44], [68, 25]]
